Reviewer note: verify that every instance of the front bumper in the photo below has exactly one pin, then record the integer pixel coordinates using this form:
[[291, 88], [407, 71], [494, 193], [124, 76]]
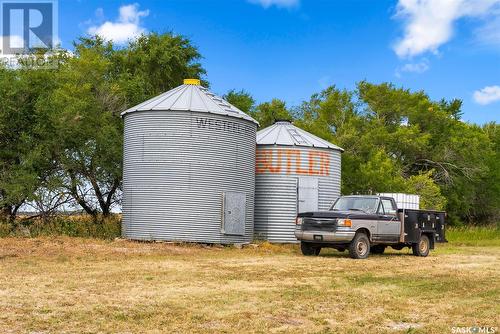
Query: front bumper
[[321, 236]]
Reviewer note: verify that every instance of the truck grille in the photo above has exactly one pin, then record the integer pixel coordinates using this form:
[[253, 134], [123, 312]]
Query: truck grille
[[315, 224]]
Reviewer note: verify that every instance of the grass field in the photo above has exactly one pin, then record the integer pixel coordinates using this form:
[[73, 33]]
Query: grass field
[[63, 284]]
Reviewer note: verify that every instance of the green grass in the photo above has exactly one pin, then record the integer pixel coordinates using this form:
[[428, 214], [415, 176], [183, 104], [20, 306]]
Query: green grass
[[109, 228], [479, 236]]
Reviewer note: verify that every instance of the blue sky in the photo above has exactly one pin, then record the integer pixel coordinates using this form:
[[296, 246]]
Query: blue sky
[[290, 49]]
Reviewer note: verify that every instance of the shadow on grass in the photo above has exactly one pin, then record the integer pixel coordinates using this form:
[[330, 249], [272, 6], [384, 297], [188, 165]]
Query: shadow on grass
[[332, 253]]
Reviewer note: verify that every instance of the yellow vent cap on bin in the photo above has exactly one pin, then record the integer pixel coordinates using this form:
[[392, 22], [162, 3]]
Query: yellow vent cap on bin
[[192, 82]]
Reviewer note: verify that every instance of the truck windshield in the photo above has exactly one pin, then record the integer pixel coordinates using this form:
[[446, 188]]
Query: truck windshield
[[365, 204]]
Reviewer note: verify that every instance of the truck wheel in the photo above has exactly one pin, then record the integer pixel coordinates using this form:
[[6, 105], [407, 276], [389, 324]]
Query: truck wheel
[[377, 249], [421, 248], [309, 249], [359, 247]]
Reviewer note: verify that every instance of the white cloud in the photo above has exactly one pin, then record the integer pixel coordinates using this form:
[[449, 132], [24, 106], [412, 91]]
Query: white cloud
[[428, 24], [416, 67], [489, 34], [420, 67], [126, 27], [487, 95], [277, 3]]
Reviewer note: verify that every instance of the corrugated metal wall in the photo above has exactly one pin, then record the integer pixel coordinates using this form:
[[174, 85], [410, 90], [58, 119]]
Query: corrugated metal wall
[[276, 193], [177, 165]]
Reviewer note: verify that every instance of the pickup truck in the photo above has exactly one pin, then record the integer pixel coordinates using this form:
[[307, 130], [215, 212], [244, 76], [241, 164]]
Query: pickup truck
[[366, 223]]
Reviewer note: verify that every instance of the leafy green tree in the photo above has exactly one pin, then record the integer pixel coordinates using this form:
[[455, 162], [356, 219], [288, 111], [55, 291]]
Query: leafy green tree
[[430, 194], [152, 64], [329, 114], [15, 177], [425, 135], [398, 140], [241, 100], [378, 174], [269, 112], [61, 132], [84, 129], [24, 164]]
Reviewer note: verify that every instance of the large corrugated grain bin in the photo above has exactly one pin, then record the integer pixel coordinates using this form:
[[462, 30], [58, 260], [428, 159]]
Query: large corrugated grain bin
[[188, 168], [295, 172]]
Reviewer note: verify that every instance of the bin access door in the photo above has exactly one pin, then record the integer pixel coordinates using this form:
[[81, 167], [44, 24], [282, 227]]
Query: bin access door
[[233, 217], [307, 194]]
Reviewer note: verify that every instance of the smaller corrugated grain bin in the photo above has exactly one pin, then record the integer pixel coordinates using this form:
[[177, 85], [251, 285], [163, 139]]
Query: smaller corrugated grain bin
[[295, 172]]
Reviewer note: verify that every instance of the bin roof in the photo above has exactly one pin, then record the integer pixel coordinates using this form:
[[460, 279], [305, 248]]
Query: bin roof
[[190, 96], [286, 134]]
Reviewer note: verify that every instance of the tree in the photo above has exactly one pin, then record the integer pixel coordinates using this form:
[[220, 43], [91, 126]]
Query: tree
[[61, 131], [241, 100], [398, 140], [330, 114], [152, 64], [14, 132], [429, 192], [24, 164], [83, 124], [269, 112]]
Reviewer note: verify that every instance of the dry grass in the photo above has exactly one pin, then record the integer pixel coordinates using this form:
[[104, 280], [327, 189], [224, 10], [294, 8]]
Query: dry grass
[[71, 285]]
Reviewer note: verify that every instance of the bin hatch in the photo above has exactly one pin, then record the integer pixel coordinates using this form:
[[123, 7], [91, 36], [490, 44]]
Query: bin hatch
[[233, 218]]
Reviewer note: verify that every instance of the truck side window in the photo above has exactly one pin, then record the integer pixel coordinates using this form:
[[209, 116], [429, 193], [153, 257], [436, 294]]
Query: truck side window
[[388, 207]]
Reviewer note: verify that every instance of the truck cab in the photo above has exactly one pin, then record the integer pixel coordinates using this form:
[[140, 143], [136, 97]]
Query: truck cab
[[368, 223]]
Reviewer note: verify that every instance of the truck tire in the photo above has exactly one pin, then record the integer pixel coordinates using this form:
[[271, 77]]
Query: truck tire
[[309, 249], [421, 248], [377, 249], [359, 248]]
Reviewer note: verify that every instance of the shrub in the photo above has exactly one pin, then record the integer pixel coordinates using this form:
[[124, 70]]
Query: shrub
[[68, 225]]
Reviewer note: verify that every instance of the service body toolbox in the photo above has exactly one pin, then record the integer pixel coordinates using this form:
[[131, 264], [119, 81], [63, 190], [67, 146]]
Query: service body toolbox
[[418, 222]]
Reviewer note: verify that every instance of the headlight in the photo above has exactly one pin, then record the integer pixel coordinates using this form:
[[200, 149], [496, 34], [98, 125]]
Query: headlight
[[299, 220], [344, 222]]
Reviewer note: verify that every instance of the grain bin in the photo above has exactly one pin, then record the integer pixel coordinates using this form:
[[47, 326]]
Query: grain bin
[[188, 168], [295, 172]]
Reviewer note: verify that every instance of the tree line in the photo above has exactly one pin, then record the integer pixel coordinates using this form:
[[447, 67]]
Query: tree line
[[61, 134]]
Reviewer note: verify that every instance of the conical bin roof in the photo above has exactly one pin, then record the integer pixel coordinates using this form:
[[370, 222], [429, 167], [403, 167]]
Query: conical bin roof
[[190, 96], [286, 134]]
